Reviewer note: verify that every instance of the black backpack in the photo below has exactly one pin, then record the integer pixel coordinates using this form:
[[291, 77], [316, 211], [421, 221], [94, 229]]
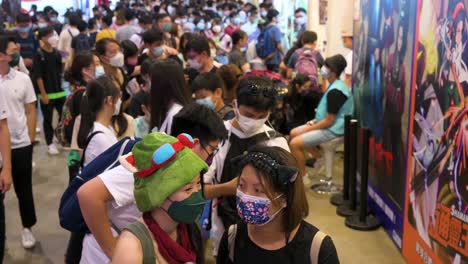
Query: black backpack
[[82, 43]]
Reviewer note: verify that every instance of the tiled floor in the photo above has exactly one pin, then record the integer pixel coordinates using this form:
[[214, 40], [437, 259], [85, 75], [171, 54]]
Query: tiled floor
[[50, 178]]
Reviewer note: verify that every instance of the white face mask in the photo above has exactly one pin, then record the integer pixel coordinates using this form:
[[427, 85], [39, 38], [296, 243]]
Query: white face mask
[[301, 21], [117, 60], [194, 64], [53, 41], [249, 125], [216, 28], [117, 106]]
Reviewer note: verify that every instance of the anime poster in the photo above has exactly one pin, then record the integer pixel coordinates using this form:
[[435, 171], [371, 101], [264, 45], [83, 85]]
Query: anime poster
[[436, 222], [384, 40]]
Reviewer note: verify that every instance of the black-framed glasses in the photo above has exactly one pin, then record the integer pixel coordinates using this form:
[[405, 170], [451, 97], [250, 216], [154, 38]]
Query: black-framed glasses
[[213, 153]]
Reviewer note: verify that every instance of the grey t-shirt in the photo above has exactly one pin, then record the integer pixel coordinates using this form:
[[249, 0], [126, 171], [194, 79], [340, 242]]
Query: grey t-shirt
[[125, 32], [237, 57]]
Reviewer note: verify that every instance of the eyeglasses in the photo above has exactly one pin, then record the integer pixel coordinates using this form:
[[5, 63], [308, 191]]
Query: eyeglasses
[[166, 153], [213, 153]]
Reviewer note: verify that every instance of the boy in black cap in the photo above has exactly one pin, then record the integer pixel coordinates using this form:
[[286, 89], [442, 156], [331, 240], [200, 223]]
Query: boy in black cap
[[336, 103]]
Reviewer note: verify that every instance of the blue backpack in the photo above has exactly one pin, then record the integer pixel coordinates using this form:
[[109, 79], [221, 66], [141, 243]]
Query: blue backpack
[[69, 211], [265, 45]]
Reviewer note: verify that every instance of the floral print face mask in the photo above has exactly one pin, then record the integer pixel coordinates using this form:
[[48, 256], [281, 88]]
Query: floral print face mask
[[254, 210]]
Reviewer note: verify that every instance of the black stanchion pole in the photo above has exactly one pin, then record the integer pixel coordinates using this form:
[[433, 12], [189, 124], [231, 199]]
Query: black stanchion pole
[[348, 209], [339, 198], [363, 221]]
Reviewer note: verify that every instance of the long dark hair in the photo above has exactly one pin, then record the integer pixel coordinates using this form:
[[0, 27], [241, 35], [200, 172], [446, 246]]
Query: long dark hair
[[82, 60], [92, 102], [293, 94], [167, 86]]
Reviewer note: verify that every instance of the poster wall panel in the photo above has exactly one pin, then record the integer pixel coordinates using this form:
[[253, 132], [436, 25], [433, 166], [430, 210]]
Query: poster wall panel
[[436, 219], [384, 32]]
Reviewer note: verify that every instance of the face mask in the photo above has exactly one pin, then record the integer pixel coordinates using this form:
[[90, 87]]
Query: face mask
[[194, 64], [237, 21], [53, 41], [249, 125], [188, 210], [53, 19], [207, 102], [117, 107], [254, 210], [201, 26], [24, 29], [132, 61], [117, 60], [243, 49], [301, 21], [15, 59], [178, 21], [216, 28], [324, 72], [158, 51], [99, 72], [263, 13], [183, 20], [208, 25], [42, 25], [167, 27], [227, 13]]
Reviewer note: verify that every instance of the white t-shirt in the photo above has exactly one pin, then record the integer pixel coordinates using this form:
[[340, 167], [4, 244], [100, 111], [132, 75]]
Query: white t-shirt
[[3, 115], [213, 175], [122, 211], [65, 40], [349, 66], [100, 142], [17, 90]]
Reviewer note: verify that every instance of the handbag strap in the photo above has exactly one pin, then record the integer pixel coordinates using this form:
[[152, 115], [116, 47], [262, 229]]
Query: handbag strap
[[315, 247], [141, 232]]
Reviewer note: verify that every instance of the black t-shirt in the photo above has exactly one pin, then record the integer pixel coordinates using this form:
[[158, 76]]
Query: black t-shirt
[[335, 100], [48, 66], [296, 251]]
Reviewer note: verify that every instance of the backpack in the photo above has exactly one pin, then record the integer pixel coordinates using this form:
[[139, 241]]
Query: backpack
[[64, 130], [314, 247], [265, 45], [306, 64], [69, 210], [83, 43]]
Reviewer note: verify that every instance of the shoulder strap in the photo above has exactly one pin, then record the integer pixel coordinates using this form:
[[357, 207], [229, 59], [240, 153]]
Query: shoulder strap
[[69, 32], [315, 247], [232, 232], [90, 137], [146, 240]]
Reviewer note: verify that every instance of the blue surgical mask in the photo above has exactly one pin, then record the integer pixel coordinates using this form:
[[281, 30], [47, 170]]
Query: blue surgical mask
[[99, 72], [207, 102], [237, 21], [201, 26], [325, 72], [24, 29], [158, 51], [53, 19]]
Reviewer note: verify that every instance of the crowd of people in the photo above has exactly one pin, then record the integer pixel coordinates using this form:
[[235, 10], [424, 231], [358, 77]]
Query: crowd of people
[[219, 150]]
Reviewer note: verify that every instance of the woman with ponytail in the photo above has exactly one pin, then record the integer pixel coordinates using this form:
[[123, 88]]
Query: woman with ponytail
[[100, 103]]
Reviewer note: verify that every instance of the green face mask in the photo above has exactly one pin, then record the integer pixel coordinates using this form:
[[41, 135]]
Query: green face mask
[[167, 27], [187, 210], [15, 59]]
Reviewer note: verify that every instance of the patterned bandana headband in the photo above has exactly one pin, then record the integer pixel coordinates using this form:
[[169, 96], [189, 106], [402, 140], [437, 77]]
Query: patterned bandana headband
[[284, 175]]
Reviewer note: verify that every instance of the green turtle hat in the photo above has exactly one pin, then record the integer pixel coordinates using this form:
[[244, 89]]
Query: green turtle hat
[[161, 165]]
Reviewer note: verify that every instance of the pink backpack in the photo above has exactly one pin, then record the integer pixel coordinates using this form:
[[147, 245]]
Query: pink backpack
[[306, 64]]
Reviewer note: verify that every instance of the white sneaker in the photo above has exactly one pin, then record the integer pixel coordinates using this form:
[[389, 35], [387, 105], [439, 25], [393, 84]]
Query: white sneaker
[[27, 238], [52, 149]]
